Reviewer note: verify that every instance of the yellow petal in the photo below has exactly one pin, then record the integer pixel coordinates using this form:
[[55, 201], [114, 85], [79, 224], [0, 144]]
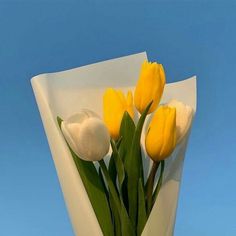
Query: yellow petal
[[114, 106], [161, 137], [150, 86], [169, 136], [130, 104]]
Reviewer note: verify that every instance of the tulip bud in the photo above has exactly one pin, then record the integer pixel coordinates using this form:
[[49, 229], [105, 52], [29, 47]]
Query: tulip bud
[[184, 115], [150, 86], [161, 136], [86, 135], [114, 106]]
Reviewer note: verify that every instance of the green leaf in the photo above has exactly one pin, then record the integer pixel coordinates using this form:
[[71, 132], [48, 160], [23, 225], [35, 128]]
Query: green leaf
[[116, 216], [127, 129], [103, 182], [126, 225], [112, 169], [142, 215], [95, 190], [159, 183], [134, 167], [118, 142], [119, 165], [112, 165]]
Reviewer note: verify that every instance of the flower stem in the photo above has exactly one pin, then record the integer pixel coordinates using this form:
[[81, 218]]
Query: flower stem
[[126, 225], [149, 186], [110, 183]]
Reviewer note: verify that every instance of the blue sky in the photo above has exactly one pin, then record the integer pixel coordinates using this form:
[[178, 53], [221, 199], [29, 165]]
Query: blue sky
[[188, 37]]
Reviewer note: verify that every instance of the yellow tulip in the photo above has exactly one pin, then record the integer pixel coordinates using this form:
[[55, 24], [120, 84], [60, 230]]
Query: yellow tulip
[[114, 105], [161, 136], [150, 86]]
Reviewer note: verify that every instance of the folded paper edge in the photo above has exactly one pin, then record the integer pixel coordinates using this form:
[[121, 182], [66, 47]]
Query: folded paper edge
[[40, 76]]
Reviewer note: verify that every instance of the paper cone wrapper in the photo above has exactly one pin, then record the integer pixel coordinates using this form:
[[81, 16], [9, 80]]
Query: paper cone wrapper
[[65, 93]]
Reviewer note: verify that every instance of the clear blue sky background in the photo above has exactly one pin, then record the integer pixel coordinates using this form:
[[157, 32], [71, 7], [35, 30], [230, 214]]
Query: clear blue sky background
[[188, 37]]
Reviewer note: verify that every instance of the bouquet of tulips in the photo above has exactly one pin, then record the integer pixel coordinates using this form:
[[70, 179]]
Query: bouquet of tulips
[[121, 198]]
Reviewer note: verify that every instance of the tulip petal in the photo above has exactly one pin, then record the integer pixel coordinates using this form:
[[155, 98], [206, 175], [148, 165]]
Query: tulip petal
[[130, 105], [150, 86], [93, 139], [184, 116], [113, 110], [169, 134], [114, 106], [161, 136], [69, 138]]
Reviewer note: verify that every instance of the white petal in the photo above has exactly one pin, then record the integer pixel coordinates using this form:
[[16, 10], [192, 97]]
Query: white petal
[[90, 113], [87, 135], [69, 137], [94, 139], [184, 115]]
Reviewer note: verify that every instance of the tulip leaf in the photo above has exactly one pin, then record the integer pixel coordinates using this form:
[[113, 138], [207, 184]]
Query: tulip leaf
[[119, 165], [142, 215], [115, 216], [134, 167], [114, 211], [159, 183], [118, 142], [112, 165], [127, 129], [126, 225], [112, 169], [95, 190], [103, 182]]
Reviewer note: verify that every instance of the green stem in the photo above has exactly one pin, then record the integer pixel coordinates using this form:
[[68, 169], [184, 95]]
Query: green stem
[[150, 183], [134, 167], [119, 166], [126, 225], [110, 183], [159, 183], [112, 163]]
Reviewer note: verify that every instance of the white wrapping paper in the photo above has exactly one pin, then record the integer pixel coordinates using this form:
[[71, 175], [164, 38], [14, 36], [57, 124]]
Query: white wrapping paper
[[65, 93]]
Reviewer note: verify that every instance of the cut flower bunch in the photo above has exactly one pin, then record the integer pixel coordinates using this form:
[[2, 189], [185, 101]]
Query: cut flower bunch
[[121, 198]]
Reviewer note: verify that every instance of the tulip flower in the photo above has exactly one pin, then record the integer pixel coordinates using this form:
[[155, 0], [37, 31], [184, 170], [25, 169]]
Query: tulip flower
[[160, 142], [161, 136], [150, 86], [184, 115], [86, 135], [114, 106]]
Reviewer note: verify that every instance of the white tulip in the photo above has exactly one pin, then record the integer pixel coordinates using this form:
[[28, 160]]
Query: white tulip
[[184, 115], [87, 135]]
